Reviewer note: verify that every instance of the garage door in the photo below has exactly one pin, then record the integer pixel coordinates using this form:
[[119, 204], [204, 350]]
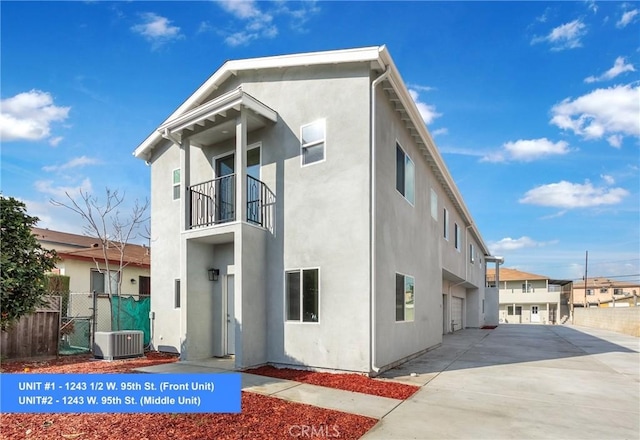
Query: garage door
[[456, 313]]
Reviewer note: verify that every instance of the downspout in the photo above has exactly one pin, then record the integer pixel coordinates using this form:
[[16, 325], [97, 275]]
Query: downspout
[[372, 222]]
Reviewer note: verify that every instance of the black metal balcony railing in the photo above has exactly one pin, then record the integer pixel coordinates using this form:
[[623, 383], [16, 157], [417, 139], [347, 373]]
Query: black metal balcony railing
[[214, 202], [260, 203]]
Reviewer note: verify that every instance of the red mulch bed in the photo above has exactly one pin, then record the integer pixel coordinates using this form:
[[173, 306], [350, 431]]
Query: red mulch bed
[[348, 382], [262, 417]]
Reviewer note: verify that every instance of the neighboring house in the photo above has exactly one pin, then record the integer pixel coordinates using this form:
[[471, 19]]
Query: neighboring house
[[302, 215], [527, 298], [82, 260], [604, 292]]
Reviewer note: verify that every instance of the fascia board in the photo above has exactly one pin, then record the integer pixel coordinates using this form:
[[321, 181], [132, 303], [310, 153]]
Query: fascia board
[[409, 104]]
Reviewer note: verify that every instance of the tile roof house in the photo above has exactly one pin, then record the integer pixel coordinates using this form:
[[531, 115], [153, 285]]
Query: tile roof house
[[82, 259], [529, 298], [302, 215], [605, 292]]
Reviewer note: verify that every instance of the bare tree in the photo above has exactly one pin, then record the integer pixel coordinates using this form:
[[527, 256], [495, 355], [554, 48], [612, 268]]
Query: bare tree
[[103, 220]]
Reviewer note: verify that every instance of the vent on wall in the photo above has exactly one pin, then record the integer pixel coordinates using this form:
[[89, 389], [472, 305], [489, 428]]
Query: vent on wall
[[118, 345]]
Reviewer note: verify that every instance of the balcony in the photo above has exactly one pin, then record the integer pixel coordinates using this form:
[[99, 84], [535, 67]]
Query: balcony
[[214, 202]]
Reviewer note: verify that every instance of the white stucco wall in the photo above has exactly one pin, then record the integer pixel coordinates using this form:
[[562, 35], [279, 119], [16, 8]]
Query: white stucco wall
[[322, 221]]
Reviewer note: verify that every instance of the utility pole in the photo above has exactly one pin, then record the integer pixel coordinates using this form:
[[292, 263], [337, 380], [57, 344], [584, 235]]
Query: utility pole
[[586, 263]]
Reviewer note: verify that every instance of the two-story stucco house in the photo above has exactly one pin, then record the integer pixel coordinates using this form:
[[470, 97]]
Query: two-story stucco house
[[528, 298], [303, 216]]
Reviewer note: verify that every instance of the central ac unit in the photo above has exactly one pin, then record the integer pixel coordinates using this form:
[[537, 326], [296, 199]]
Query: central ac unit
[[118, 345]]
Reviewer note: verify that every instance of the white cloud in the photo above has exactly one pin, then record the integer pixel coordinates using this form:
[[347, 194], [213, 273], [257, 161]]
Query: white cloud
[[428, 112], [28, 116], [527, 150], [59, 192], [258, 24], [258, 18], [614, 111], [76, 162], [615, 140], [566, 36], [619, 66], [567, 195], [627, 17], [609, 180], [440, 131], [512, 244], [156, 29], [592, 6]]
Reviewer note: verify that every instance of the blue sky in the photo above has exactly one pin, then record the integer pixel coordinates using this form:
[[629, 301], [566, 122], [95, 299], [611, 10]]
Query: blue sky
[[535, 106]]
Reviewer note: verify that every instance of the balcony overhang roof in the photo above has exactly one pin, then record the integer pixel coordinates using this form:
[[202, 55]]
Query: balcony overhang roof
[[215, 119]]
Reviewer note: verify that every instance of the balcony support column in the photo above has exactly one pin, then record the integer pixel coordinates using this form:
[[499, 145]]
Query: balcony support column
[[241, 166]]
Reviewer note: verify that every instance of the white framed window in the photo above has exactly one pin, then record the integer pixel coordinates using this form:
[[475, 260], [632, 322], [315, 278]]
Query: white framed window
[[445, 215], [302, 290], [405, 298], [175, 176], [405, 174], [457, 236], [176, 293], [518, 310], [472, 254], [527, 287], [312, 143], [434, 204], [100, 282]]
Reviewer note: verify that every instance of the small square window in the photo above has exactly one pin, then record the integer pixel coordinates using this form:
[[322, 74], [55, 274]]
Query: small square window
[[313, 142], [176, 294], [434, 204], [176, 184], [445, 215]]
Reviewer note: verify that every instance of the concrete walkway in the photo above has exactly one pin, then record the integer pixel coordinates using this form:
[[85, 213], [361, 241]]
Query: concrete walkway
[[521, 381], [330, 398], [513, 382]]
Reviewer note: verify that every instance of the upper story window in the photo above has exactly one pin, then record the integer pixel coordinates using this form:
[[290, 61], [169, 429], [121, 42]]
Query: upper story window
[[617, 291], [176, 184], [405, 175], [313, 141], [526, 287], [445, 216], [472, 253], [434, 204], [457, 236]]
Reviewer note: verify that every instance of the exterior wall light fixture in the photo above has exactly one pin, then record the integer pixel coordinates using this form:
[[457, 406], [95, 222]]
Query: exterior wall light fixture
[[214, 274]]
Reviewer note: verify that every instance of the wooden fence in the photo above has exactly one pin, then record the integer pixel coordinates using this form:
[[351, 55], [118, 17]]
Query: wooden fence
[[34, 335]]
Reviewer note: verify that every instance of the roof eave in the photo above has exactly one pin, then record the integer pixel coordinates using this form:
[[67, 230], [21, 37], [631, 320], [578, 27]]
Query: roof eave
[[366, 54]]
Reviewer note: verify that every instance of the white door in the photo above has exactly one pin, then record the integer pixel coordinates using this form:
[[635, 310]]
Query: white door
[[535, 316], [456, 313], [231, 321]]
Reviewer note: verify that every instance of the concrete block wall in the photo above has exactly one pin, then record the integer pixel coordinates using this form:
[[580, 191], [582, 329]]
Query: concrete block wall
[[620, 319]]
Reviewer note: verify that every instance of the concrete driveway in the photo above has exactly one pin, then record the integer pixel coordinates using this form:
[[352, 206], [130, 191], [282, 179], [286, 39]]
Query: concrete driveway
[[521, 381]]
